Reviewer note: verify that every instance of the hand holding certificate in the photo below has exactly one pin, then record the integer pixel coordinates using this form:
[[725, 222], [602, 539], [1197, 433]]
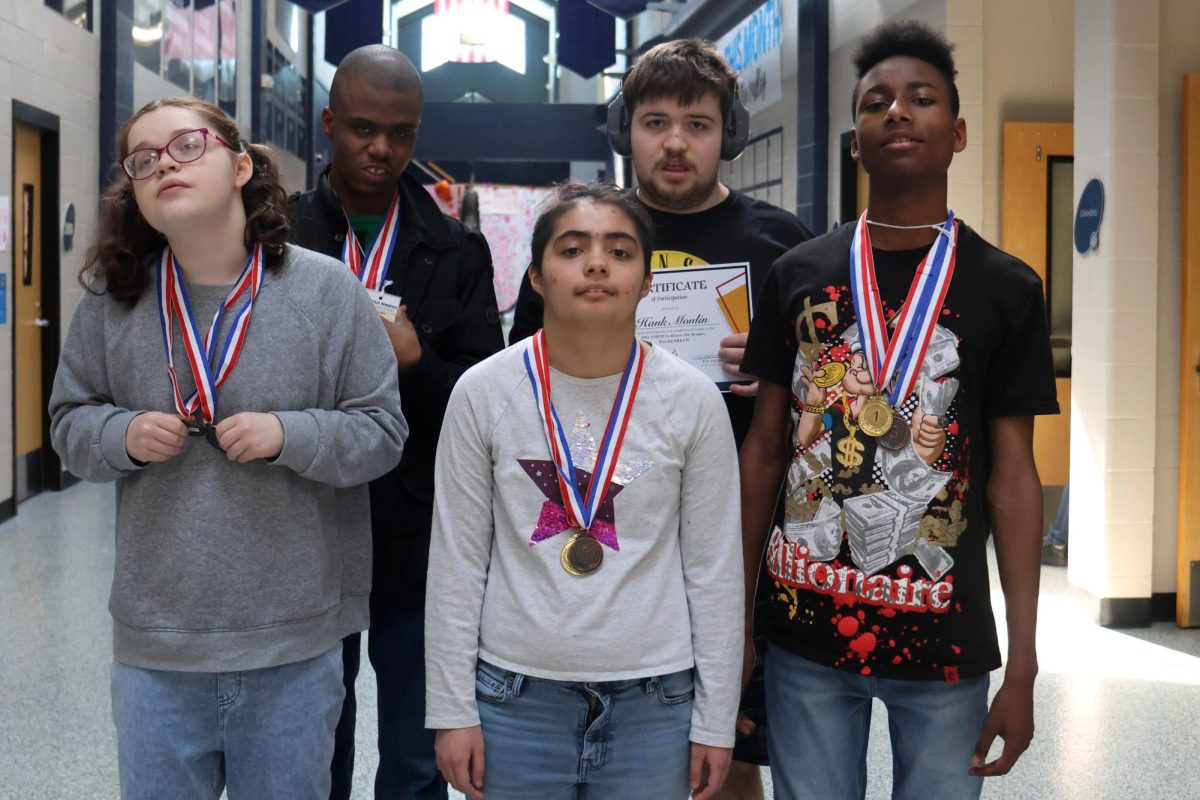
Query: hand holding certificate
[[690, 310]]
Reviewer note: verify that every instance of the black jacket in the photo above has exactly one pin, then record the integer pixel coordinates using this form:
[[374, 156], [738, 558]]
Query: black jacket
[[443, 272]]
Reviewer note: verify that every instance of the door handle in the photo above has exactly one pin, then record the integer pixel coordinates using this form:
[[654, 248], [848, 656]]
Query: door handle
[[42, 323]]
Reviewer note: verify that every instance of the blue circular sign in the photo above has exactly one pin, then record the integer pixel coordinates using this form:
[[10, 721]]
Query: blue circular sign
[[1088, 216], [68, 231]]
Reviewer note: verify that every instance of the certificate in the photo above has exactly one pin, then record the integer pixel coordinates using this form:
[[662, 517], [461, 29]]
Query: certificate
[[690, 310]]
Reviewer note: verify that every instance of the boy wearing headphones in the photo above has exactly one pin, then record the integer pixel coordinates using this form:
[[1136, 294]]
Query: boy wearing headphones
[[678, 116]]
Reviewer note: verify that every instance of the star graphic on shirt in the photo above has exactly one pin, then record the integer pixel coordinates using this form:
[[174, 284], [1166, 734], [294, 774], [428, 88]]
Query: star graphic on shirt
[[545, 476], [553, 520]]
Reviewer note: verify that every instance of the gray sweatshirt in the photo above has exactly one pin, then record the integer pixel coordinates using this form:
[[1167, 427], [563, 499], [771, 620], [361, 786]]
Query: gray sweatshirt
[[668, 599], [223, 566]]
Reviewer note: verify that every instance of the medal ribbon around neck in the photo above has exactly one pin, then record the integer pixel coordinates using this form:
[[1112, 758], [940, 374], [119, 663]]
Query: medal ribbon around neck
[[582, 510], [209, 368], [371, 270], [900, 355]]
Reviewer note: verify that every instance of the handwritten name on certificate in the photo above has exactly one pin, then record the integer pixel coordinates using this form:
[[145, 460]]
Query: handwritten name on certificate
[[690, 310]]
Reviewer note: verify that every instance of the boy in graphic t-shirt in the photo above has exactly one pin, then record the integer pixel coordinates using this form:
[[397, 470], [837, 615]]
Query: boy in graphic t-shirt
[[902, 360]]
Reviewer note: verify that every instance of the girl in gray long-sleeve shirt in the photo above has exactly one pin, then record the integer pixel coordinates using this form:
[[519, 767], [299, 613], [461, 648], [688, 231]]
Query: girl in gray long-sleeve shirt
[[572, 647], [243, 541]]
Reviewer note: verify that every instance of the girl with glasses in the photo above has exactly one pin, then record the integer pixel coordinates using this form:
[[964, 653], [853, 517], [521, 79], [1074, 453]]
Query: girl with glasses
[[584, 603], [240, 392]]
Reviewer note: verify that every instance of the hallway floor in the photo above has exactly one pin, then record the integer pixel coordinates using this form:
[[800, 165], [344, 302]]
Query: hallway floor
[[1118, 712]]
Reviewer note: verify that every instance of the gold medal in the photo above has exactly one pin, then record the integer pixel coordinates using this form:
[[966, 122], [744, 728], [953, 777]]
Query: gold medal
[[582, 554], [876, 416], [831, 373]]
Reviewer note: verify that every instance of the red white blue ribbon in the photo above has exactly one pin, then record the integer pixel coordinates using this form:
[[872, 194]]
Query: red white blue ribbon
[[900, 355], [372, 269], [582, 510], [209, 366]]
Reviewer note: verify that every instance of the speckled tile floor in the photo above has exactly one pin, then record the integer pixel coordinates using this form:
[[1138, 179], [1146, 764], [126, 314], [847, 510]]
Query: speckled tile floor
[[1118, 713]]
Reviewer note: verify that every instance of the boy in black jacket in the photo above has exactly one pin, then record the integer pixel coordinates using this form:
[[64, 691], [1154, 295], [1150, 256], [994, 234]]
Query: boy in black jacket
[[384, 225]]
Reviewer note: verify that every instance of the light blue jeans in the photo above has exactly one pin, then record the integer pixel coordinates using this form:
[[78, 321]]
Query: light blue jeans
[[1057, 535], [555, 740], [820, 719], [262, 734]]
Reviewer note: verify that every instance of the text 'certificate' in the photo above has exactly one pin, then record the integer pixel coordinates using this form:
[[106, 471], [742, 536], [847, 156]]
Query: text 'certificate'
[[690, 310]]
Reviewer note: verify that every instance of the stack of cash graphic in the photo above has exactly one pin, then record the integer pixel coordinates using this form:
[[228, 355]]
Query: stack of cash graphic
[[937, 397], [942, 356], [934, 560], [822, 535], [881, 528]]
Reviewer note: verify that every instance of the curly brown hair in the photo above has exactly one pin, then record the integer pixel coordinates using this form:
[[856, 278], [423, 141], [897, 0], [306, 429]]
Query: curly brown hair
[[122, 259]]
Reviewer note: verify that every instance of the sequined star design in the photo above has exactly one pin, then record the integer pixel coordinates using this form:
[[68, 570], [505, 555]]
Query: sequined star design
[[553, 517]]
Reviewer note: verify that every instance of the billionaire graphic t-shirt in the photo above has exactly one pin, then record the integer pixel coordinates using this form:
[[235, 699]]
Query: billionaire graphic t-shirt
[[877, 562], [739, 229]]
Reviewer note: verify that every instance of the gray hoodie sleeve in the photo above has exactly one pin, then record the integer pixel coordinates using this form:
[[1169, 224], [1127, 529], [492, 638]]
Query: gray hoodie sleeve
[[363, 436], [460, 553], [86, 429], [710, 544]]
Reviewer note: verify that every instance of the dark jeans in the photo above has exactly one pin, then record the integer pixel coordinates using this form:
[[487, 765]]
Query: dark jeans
[[407, 768]]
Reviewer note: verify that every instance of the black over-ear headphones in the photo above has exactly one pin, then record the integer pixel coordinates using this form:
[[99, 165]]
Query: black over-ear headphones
[[734, 132]]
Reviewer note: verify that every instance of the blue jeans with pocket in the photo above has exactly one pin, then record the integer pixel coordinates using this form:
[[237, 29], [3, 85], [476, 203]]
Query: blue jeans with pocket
[[260, 734], [821, 717], [559, 740]]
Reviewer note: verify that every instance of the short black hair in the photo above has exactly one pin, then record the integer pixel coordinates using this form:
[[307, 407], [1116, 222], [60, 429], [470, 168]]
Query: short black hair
[[905, 37], [569, 194], [382, 67]]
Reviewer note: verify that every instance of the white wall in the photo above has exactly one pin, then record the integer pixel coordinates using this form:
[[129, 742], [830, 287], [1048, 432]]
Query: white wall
[[1115, 308], [47, 62]]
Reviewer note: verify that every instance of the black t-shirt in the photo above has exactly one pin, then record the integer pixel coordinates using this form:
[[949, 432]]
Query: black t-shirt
[[738, 229], [878, 560]]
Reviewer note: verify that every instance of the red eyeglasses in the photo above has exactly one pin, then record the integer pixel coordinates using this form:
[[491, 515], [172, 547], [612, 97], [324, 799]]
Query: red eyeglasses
[[184, 148]]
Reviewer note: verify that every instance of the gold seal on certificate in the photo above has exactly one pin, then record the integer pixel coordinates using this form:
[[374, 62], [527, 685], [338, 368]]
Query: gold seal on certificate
[[876, 416], [690, 309], [582, 554]]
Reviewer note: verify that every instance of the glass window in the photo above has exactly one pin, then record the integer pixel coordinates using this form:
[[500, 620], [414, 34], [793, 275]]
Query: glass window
[[192, 43], [227, 68], [1059, 271], [204, 51], [78, 12], [177, 50], [283, 59], [148, 34]]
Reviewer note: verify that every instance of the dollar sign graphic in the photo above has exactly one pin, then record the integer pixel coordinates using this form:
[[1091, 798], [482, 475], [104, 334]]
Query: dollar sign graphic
[[848, 452]]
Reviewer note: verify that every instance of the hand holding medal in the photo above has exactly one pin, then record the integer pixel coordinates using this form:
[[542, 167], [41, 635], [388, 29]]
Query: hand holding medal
[[153, 436], [249, 436], [209, 367], [406, 345]]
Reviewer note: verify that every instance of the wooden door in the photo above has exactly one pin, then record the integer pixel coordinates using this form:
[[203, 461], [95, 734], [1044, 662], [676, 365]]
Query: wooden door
[[1187, 610], [1029, 148], [28, 317]]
